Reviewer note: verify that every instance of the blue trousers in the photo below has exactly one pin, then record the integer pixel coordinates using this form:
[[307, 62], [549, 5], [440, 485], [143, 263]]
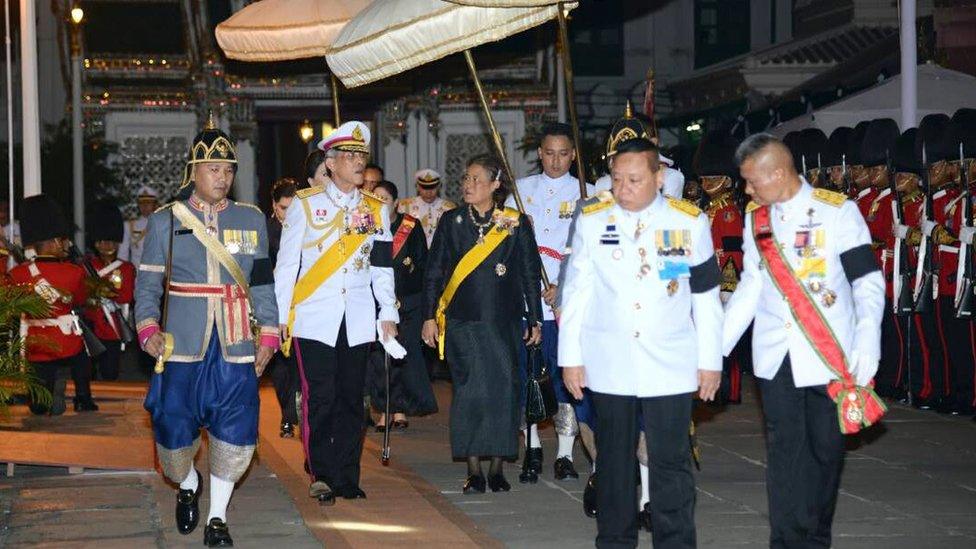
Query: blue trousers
[[550, 354], [213, 394]]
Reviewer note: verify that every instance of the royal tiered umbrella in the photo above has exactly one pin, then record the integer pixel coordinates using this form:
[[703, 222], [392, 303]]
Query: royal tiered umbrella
[[567, 64], [393, 36], [283, 30]]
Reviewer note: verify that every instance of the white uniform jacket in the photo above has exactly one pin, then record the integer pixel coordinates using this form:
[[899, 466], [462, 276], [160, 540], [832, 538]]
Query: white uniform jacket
[[429, 213], [310, 228], [550, 204], [133, 240], [641, 313], [812, 226]]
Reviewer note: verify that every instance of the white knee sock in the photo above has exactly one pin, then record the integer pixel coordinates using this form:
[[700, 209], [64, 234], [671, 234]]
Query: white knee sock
[[190, 482], [220, 492], [645, 486], [532, 432], [565, 447]]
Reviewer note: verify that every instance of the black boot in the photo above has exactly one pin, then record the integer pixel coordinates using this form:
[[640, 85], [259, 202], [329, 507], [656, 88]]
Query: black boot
[[589, 497], [188, 507], [85, 404], [528, 475], [563, 469], [216, 534]]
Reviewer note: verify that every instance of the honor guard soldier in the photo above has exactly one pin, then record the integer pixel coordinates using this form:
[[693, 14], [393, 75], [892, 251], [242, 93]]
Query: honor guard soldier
[[963, 385], [813, 288], [814, 143], [336, 243], [717, 172], [110, 317], [426, 206], [54, 342], [861, 191], [639, 257], [835, 160], [135, 229], [206, 260], [550, 198]]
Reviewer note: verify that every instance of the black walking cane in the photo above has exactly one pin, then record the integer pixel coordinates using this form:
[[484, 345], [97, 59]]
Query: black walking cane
[[385, 457]]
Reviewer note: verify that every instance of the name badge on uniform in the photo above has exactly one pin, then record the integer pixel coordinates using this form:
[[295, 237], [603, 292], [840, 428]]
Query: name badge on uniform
[[610, 235], [239, 241], [320, 216]]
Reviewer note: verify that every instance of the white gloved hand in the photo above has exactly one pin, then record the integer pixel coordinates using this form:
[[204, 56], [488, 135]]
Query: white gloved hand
[[966, 234], [391, 345], [928, 227], [863, 368], [901, 231]]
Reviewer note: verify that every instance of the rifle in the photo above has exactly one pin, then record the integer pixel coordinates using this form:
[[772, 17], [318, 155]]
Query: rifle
[[927, 269], [846, 181], [903, 304], [964, 275], [108, 306]]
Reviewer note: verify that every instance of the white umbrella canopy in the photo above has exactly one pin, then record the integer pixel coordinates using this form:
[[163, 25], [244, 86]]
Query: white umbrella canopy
[[505, 3], [393, 36], [280, 30]]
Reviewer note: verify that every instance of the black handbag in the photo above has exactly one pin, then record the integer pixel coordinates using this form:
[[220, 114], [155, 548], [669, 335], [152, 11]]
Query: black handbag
[[540, 402]]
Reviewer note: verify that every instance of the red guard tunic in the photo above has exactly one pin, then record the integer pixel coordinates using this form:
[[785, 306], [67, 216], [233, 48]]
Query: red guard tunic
[[727, 223], [122, 276], [946, 204], [864, 198], [880, 220], [64, 289]]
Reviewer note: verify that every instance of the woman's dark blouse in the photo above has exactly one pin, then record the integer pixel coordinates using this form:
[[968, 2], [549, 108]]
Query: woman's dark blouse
[[500, 287], [410, 261]]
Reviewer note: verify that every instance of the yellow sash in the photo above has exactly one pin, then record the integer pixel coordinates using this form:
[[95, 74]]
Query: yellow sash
[[325, 266], [474, 257]]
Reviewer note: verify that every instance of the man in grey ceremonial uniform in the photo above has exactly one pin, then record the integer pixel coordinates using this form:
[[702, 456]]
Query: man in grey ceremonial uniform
[[813, 287], [213, 336], [640, 257], [336, 243]]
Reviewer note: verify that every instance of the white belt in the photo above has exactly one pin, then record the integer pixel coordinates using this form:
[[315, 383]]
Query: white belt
[[68, 324], [948, 249]]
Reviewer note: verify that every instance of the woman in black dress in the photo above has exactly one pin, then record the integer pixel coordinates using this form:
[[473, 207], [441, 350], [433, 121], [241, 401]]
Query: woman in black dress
[[477, 319], [410, 389]]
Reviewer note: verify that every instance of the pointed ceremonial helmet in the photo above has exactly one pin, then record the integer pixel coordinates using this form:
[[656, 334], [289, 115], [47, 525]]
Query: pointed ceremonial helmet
[[210, 145]]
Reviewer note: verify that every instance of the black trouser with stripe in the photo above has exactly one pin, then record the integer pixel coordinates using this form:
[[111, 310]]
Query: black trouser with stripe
[[805, 450], [959, 342], [332, 407], [666, 423]]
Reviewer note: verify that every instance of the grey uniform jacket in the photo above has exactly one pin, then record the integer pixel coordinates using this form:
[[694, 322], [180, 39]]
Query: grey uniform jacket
[[196, 309]]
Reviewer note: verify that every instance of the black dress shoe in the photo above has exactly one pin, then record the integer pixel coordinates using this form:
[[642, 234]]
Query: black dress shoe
[[321, 491], [497, 483], [533, 460], [188, 507], [589, 497], [380, 428], [287, 430], [563, 469], [351, 492], [216, 534], [475, 484], [85, 404], [644, 517], [401, 424]]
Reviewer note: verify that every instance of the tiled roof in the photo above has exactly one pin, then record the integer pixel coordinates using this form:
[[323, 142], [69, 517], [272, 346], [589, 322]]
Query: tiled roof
[[827, 48]]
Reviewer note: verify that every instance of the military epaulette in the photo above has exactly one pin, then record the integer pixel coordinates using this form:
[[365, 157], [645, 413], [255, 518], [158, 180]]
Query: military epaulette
[[833, 198], [449, 205], [310, 191], [684, 206], [602, 201], [751, 207], [368, 194], [249, 205], [161, 208]]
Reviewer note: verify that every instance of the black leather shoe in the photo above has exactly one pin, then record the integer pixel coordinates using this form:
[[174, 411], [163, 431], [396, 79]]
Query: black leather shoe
[[401, 424], [216, 534], [188, 507], [644, 517], [563, 469], [533, 460], [351, 492], [497, 483], [287, 430], [475, 484], [589, 497], [321, 491], [85, 404], [381, 428]]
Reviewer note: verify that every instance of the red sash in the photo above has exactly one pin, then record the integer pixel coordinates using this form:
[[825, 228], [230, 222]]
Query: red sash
[[402, 233], [857, 406]]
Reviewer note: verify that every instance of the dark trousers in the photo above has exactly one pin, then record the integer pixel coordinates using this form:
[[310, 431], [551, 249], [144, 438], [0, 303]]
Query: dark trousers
[[931, 365], [284, 376], [107, 364], [80, 368], [805, 455], [332, 381], [666, 421], [959, 339], [893, 357]]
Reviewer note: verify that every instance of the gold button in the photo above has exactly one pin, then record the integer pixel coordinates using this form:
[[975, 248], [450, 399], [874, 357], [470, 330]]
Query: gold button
[[548, 211], [343, 290], [789, 325], [546, 231], [344, 269], [637, 306], [636, 334]]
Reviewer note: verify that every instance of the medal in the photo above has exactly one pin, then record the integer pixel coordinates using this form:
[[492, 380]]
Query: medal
[[672, 287], [233, 247], [500, 269], [617, 254], [829, 298], [815, 286]]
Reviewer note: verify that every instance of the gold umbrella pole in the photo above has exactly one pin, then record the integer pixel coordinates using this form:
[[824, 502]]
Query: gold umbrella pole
[[497, 138], [571, 96], [335, 100]]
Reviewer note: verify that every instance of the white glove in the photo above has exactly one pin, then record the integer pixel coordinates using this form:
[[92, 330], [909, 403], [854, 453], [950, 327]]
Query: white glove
[[863, 368], [928, 227], [391, 346], [901, 231], [966, 234]]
